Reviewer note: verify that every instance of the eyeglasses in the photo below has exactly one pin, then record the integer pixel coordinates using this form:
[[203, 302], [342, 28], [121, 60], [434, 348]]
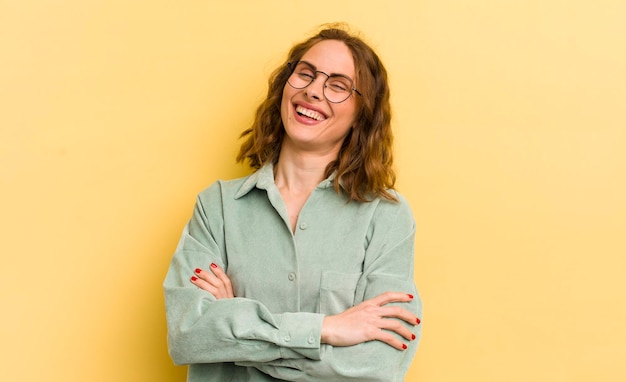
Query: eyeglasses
[[337, 87]]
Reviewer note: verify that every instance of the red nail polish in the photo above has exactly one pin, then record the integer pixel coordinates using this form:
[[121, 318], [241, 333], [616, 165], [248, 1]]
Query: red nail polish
[[193, 278], [198, 270], [404, 346], [213, 265], [418, 320], [411, 296], [412, 336]]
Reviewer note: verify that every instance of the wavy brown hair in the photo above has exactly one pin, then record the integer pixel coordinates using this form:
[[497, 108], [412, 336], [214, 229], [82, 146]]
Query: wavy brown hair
[[364, 164]]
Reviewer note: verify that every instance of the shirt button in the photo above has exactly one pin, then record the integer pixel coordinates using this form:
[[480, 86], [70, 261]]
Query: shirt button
[[311, 340], [287, 338], [292, 276], [303, 226]]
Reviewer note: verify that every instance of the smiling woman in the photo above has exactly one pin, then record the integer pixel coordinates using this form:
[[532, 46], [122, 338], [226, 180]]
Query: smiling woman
[[304, 269], [312, 122]]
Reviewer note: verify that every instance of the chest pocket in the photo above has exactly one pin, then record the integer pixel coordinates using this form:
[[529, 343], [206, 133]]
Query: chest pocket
[[337, 291]]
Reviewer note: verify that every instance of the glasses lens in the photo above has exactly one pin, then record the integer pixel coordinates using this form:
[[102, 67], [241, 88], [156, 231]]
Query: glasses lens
[[302, 76], [337, 88]]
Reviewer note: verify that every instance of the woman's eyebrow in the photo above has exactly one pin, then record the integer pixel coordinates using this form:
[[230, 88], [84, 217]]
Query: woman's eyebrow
[[330, 74]]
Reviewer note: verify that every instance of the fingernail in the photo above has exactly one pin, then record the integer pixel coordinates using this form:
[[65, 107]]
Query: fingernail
[[418, 320], [193, 278], [213, 265], [410, 296], [404, 346], [412, 336], [198, 270]]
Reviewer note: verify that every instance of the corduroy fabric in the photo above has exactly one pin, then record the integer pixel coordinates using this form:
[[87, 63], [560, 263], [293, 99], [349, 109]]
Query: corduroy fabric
[[285, 282]]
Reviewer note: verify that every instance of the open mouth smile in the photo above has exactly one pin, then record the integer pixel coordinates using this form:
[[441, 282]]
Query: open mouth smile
[[312, 114]]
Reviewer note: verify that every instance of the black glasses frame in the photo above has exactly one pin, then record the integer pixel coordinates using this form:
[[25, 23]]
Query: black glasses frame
[[292, 67]]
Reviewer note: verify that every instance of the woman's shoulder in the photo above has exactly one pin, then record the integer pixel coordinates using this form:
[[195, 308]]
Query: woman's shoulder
[[398, 201], [225, 186], [238, 187], [398, 209]]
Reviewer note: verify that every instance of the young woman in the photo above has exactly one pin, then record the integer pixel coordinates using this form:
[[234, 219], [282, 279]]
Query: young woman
[[303, 271]]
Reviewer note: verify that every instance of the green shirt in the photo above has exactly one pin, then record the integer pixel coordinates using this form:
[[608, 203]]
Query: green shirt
[[285, 283]]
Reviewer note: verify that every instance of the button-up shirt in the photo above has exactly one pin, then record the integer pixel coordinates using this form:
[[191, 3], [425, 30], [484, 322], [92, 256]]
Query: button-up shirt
[[340, 254]]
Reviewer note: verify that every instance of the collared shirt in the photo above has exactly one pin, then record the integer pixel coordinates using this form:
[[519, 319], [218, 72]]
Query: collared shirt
[[285, 282]]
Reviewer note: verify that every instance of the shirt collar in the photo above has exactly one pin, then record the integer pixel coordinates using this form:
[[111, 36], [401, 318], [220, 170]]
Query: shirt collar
[[263, 179]]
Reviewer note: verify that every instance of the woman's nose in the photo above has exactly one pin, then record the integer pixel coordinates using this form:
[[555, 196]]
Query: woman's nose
[[315, 89]]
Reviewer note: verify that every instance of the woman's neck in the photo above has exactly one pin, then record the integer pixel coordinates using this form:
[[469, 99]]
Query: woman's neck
[[300, 172]]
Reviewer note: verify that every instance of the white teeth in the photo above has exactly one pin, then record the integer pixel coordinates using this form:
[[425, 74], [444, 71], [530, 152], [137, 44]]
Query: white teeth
[[310, 113]]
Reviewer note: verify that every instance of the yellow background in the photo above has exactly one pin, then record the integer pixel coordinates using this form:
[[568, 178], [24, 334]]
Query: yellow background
[[510, 123]]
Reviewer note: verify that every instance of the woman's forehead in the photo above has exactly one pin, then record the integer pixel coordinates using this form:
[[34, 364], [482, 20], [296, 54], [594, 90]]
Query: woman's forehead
[[331, 56]]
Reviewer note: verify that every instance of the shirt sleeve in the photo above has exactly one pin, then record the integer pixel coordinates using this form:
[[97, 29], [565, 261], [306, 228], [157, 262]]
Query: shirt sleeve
[[388, 267], [202, 329]]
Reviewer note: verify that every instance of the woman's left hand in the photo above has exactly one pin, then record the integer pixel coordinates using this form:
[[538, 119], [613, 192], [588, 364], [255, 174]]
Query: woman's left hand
[[214, 281]]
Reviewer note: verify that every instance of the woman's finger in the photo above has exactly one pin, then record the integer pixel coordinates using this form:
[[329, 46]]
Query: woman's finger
[[394, 311], [388, 297], [221, 275], [391, 340], [204, 285], [209, 282], [215, 282], [399, 313], [397, 327], [209, 278]]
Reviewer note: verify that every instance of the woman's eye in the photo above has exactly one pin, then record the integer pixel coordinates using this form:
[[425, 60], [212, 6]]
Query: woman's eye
[[338, 86], [306, 75]]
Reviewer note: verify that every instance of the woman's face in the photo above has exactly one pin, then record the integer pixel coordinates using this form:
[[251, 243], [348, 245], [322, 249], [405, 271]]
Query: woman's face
[[311, 122]]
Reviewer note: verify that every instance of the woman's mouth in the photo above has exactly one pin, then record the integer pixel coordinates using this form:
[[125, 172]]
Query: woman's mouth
[[303, 111]]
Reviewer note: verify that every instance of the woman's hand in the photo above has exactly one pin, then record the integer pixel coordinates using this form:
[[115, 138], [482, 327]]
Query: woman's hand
[[370, 320], [215, 282]]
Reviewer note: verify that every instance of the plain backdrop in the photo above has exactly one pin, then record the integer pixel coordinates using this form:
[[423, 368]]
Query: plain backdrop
[[510, 146]]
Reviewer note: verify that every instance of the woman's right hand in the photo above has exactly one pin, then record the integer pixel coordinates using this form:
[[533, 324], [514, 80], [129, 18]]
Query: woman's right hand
[[215, 282], [371, 321]]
